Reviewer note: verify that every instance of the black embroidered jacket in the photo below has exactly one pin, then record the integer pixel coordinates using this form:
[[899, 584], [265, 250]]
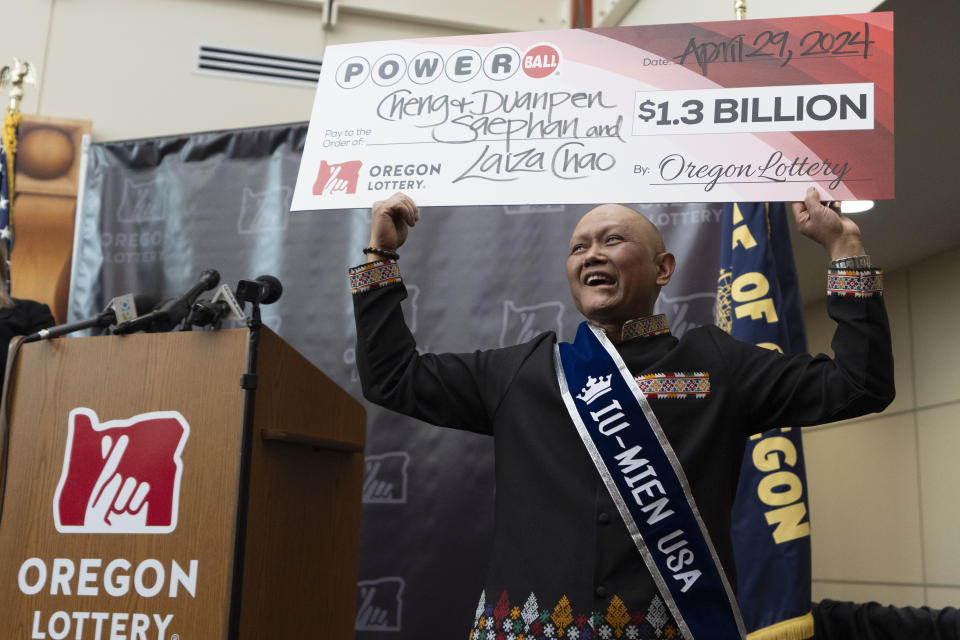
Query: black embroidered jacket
[[562, 558]]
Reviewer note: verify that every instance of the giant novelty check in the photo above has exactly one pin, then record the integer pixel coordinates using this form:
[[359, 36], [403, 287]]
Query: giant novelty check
[[753, 110]]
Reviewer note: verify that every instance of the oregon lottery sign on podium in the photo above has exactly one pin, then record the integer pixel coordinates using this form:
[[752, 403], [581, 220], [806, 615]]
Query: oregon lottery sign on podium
[[722, 111]]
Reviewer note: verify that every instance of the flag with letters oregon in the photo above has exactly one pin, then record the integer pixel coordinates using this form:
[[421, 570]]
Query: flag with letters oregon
[[769, 524]]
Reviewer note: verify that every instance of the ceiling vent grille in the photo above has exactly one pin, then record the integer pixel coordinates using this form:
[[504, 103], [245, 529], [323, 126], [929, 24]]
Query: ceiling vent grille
[[253, 65]]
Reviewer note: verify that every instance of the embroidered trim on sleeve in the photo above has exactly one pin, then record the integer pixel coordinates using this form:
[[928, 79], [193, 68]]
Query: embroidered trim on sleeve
[[863, 283], [670, 386], [373, 275]]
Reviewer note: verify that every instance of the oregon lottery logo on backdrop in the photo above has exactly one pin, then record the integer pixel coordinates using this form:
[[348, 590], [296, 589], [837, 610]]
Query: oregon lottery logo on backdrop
[[521, 324], [500, 63], [385, 478], [380, 604], [263, 211], [144, 201], [121, 476]]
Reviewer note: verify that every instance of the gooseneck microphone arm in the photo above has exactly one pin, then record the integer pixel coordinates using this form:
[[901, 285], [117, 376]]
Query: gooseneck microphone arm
[[99, 321], [102, 320]]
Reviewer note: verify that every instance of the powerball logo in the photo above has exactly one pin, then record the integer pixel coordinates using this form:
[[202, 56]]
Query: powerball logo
[[121, 476], [337, 178], [425, 67]]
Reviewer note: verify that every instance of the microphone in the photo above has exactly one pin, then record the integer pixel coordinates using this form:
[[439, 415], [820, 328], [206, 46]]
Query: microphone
[[207, 312], [211, 312], [171, 312], [263, 290], [118, 308]]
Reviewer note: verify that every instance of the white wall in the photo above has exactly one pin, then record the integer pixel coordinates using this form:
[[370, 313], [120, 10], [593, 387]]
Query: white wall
[[883, 504], [127, 65], [26, 25]]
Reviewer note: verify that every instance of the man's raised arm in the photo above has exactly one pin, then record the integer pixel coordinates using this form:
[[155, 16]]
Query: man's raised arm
[[456, 390], [802, 390]]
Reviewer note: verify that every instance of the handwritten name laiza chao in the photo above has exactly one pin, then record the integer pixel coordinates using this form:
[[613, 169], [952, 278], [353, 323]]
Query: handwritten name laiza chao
[[506, 120], [676, 169]]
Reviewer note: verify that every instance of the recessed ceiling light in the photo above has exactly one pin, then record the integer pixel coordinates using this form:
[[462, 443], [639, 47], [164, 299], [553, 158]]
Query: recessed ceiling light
[[856, 206]]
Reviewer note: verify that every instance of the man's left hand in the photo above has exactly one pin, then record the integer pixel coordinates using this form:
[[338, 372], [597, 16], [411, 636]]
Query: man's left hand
[[823, 222]]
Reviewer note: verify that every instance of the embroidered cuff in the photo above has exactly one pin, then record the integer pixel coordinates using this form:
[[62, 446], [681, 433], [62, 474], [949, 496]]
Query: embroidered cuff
[[664, 386], [373, 275], [862, 283]]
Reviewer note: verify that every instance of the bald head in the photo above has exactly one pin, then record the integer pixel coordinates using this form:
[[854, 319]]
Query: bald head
[[646, 228], [616, 265]]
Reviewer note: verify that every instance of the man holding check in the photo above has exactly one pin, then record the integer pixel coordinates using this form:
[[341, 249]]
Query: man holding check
[[617, 456]]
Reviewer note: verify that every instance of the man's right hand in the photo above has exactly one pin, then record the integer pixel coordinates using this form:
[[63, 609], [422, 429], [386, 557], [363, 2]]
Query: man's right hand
[[390, 221]]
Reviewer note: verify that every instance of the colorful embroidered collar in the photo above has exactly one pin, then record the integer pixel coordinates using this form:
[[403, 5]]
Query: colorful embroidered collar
[[645, 327]]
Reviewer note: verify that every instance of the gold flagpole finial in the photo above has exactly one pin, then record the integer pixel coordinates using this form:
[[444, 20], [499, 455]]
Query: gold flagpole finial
[[740, 9], [15, 76]]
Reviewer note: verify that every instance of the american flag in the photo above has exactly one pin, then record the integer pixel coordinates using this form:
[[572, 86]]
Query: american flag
[[5, 164]]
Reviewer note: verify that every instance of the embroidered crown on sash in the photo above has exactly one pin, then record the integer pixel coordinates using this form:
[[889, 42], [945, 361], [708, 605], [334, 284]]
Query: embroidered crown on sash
[[595, 388]]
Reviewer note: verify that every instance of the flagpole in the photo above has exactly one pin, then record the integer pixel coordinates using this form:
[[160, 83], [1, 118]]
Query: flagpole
[[740, 9], [14, 76]]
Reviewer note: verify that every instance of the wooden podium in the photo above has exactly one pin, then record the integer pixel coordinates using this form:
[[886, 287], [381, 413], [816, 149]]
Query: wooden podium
[[263, 532]]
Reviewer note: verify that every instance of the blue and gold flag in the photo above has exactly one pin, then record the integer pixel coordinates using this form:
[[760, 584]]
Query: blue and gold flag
[[758, 302]]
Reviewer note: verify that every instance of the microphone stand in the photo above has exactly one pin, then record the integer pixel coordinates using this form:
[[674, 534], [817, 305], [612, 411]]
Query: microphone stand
[[249, 384]]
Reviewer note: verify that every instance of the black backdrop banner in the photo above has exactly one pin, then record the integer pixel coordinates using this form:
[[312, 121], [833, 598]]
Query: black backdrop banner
[[154, 213]]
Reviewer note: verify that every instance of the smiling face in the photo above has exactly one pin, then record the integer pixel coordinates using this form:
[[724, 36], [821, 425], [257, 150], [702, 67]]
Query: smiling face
[[616, 266]]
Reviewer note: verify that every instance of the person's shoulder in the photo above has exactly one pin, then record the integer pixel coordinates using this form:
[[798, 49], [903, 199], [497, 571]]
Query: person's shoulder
[[708, 337], [543, 340], [38, 314], [27, 303], [545, 337], [515, 355], [705, 332], [31, 305]]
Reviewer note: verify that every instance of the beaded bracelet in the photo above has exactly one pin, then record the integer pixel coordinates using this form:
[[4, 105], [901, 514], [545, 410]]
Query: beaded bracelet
[[383, 253], [852, 262]]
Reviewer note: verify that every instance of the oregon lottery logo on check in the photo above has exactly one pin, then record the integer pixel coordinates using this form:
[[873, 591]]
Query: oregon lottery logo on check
[[724, 111]]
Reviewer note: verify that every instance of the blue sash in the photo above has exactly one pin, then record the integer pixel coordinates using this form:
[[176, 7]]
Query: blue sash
[[646, 482]]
